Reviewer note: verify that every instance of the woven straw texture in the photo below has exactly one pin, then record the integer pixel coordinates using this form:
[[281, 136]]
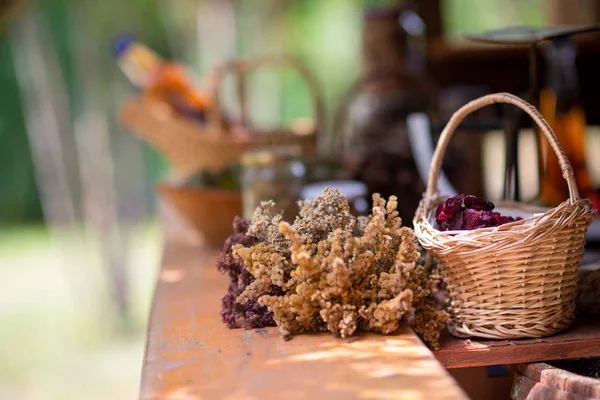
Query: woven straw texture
[[190, 146], [516, 280]]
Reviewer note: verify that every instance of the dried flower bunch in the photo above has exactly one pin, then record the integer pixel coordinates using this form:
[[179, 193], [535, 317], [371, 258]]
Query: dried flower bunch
[[236, 315], [466, 212], [330, 271]]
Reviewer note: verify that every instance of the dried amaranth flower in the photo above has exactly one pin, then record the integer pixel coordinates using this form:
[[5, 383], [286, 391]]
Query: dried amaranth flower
[[236, 315], [330, 272]]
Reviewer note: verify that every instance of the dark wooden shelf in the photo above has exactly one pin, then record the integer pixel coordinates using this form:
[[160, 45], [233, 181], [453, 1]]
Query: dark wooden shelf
[[497, 68], [581, 341]]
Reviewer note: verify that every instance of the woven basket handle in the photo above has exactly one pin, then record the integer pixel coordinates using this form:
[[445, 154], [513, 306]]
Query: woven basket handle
[[458, 116], [241, 68]]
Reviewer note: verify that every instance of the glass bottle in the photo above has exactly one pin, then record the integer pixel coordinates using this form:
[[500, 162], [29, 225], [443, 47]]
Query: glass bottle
[[160, 79], [394, 84], [560, 105]]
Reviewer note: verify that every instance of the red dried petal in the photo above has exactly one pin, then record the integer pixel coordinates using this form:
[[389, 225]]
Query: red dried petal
[[475, 219], [468, 212], [501, 219], [477, 203], [449, 208], [457, 222]]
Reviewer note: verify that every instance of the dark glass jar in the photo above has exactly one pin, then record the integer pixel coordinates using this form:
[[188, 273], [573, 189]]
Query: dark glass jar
[[394, 85]]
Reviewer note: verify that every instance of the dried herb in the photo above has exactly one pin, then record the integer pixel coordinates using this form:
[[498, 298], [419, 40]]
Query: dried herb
[[331, 272], [236, 315]]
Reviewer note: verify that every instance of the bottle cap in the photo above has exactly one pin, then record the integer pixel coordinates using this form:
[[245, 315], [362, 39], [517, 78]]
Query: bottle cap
[[121, 44]]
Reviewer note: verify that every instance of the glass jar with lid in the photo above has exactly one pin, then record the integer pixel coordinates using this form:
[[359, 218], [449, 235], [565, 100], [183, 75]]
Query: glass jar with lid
[[275, 174]]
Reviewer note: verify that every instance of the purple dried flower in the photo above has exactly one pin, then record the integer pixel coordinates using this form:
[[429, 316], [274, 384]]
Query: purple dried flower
[[232, 313], [449, 208], [255, 315], [235, 315], [468, 212], [477, 203], [475, 219], [501, 219]]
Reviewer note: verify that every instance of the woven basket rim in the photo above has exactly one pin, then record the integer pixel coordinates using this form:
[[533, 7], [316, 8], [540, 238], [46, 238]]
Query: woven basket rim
[[203, 133], [575, 207], [524, 226]]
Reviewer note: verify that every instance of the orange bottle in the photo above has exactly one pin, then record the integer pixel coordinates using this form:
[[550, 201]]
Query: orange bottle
[[158, 78], [560, 106]]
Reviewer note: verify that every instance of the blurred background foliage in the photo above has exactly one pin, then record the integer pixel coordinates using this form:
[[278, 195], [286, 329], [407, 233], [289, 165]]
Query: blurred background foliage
[[326, 34], [468, 16], [60, 334]]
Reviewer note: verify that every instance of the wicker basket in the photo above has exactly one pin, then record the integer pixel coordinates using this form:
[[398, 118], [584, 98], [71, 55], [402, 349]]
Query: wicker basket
[[190, 146], [208, 211], [516, 280]]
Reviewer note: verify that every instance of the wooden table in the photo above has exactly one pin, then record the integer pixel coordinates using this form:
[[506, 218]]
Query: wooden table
[[191, 355]]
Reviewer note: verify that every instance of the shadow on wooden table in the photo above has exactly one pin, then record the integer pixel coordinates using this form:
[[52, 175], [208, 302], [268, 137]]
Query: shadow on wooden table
[[190, 354]]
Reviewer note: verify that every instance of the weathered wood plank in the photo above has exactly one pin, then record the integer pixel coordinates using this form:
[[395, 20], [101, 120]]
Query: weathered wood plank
[[190, 354], [581, 341]]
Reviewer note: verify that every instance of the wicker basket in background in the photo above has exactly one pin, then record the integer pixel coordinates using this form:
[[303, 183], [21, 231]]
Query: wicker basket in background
[[516, 280], [189, 146]]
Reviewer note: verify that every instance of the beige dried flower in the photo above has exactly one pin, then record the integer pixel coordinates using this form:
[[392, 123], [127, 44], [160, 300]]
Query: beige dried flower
[[265, 227], [330, 271], [318, 218]]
